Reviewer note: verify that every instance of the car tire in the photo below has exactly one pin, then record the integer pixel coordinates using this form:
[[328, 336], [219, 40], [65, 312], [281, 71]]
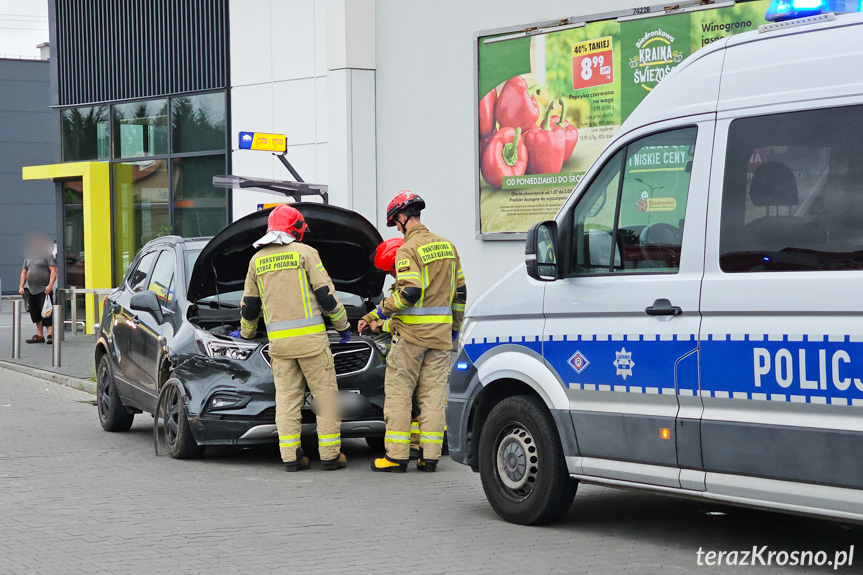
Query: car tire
[[521, 463], [112, 414], [376, 444], [178, 436]]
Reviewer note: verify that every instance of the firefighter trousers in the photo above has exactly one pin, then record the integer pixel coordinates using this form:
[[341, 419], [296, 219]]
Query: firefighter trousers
[[410, 367], [291, 377]]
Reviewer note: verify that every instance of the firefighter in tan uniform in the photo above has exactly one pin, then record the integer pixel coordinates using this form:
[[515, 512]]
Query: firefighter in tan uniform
[[424, 313], [287, 280]]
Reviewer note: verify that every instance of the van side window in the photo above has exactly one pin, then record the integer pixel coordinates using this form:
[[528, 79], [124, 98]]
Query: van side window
[[634, 224], [792, 199]]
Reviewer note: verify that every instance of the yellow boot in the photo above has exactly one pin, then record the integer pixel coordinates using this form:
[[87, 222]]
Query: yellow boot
[[391, 465]]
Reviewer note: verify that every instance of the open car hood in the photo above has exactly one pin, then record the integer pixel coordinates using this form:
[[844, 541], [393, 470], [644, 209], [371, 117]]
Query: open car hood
[[345, 240]]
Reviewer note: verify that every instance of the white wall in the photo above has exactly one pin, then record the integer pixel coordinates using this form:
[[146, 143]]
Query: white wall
[[279, 84], [425, 112]]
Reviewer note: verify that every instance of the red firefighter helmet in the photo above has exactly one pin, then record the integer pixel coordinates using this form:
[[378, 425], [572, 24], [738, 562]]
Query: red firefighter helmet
[[385, 254], [288, 219], [404, 200]]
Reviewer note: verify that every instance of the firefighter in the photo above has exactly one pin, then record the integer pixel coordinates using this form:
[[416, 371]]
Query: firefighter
[[424, 313], [287, 280]]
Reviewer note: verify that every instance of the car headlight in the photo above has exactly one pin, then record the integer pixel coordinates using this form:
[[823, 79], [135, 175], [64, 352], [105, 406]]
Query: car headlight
[[224, 348], [228, 400], [464, 335]]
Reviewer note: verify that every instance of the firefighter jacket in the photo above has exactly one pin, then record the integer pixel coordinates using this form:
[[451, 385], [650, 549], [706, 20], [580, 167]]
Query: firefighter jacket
[[428, 299], [291, 285]]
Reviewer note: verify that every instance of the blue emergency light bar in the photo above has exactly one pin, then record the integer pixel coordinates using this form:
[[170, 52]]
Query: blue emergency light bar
[[781, 10]]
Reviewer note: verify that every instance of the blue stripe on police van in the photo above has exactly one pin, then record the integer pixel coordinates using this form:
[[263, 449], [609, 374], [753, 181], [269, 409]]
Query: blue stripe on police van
[[812, 368]]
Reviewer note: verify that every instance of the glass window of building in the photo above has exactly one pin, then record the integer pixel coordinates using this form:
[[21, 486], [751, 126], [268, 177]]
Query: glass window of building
[[198, 123], [84, 133], [141, 129], [199, 208], [141, 206]]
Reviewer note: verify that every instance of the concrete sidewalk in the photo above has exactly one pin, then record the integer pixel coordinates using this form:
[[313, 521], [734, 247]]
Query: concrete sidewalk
[[77, 367]]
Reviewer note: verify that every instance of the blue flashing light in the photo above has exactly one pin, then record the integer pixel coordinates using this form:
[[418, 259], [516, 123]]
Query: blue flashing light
[[461, 366], [781, 10]]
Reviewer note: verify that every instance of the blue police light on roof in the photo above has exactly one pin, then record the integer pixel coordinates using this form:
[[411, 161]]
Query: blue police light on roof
[[780, 10]]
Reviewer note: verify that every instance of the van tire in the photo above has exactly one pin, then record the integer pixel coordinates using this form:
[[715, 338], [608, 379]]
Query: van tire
[[520, 429], [112, 414]]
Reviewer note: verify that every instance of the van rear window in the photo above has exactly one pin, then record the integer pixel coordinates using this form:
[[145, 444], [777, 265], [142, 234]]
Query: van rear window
[[792, 198]]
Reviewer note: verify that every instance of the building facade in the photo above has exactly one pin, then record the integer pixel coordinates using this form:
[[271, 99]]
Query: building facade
[[28, 132], [374, 97]]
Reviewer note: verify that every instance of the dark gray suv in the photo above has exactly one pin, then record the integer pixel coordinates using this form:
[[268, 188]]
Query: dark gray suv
[[165, 337]]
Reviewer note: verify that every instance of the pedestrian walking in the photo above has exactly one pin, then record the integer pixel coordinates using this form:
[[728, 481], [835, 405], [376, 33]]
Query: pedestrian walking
[[38, 276], [424, 313], [288, 283]]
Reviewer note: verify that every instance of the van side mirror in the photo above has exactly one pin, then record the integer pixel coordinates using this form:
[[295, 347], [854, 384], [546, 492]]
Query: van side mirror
[[148, 302], [540, 252]]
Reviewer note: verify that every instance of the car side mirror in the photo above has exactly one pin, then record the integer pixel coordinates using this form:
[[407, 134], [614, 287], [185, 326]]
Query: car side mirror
[[148, 302], [540, 252]]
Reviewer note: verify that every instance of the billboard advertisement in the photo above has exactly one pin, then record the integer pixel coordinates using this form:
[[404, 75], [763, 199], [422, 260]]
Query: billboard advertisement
[[549, 103]]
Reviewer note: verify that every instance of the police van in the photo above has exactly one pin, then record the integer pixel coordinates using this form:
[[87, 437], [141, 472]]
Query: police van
[[704, 339]]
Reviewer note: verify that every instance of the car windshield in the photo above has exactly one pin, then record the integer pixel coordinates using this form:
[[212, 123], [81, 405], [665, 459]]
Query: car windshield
[[233, 298]]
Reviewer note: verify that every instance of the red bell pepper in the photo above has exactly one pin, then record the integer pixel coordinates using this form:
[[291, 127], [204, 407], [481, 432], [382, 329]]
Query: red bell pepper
[[516, 105], [570, 131], [545, 147], [505, 155], [483, 144], [486, 113]]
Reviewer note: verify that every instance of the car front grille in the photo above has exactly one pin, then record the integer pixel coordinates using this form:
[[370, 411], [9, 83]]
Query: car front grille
[[348, 358]]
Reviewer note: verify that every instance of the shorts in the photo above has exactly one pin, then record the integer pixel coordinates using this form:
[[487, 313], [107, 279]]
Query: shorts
[[36, 301]]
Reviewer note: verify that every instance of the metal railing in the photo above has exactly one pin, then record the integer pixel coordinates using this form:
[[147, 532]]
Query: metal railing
[[99, 296]]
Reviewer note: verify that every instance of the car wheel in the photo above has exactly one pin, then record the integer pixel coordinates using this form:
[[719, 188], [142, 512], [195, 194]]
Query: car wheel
[[178, 435], [376, 444], [112, 414], [521, 463]]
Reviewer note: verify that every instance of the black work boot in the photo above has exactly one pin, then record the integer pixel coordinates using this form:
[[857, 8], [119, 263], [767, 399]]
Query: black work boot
[[415, 453], [427, 465], [338, 462], [299, 464]]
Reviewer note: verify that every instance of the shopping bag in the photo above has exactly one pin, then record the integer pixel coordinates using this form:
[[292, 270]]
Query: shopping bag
[[47, 307]]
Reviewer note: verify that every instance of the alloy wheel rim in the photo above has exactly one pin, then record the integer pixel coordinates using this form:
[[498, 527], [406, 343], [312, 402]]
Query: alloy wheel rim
[[172, 416], [104, 393]]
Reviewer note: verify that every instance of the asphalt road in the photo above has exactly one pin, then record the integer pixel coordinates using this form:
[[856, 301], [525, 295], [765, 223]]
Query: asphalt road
[[75, 499]]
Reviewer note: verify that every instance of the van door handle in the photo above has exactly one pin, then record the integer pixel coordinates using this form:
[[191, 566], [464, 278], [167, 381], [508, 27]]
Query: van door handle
[[663, 307]]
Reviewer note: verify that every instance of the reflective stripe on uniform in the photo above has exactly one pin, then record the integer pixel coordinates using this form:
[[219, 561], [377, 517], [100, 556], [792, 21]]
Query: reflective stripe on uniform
[[289, 440], [295, 323], [400, 304], [339, 315], [397, 437], [294, 332], [415, 428], [248, 324], [431, 437], [442, 310], [414, 319], [459, 274], [304, 288], [320, 267], [409, 276], [332, 439], [386, 326], [458, 307]]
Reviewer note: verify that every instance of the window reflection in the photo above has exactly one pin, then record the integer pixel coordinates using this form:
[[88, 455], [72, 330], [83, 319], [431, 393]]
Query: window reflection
[[142, 210], [84, 133], [198, 123], [141, 129], [200, 209]]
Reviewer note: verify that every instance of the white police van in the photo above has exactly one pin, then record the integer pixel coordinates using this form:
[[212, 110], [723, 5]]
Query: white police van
[[702, 337]]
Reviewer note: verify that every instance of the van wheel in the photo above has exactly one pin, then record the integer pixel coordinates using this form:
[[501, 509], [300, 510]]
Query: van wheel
[[178, 434], [112, 414], [521, 463]]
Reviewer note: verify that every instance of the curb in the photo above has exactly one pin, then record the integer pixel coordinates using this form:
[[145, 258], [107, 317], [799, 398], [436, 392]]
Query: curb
[[67, 380]]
